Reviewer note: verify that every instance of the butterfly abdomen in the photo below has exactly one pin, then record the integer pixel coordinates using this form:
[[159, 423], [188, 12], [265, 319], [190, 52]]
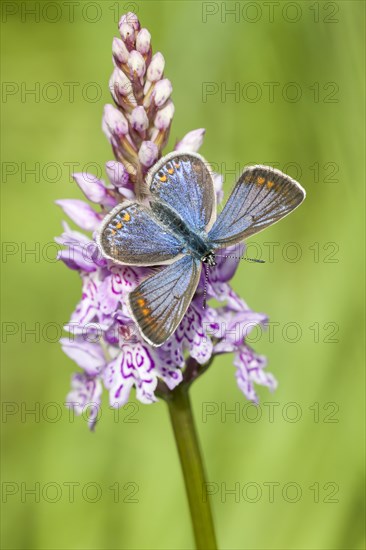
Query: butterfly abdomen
[[194, 243]]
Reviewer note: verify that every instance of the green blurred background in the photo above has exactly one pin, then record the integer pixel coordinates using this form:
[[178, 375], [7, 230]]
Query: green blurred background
[[318, 138]]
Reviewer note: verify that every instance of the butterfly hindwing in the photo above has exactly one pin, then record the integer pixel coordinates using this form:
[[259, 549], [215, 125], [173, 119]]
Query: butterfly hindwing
[[159, 303], [184, 182], [132, 235], [261, 197]]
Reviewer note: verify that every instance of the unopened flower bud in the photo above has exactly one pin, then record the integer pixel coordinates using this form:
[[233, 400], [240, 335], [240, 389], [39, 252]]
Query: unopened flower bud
[[119, 50], [117, 173], [148, 153], [139, 120], [119, 84], [162, 92], [156, 68], [136, 64], [119, 177], [114, 122], [191, 141], [128, 35], [164, 116], [130, 18], [218, 184], [143, 41]]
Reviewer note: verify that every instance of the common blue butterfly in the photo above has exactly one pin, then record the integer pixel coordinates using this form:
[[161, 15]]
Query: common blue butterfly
[[179, 228]]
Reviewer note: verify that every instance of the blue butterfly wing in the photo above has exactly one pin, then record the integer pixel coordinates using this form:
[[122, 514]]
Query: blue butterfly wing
[[183, 181], [132, 235], [159, 303], [261, 197]]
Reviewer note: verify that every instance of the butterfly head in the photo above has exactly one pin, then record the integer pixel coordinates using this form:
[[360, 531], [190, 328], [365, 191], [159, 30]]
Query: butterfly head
[[209, 259]]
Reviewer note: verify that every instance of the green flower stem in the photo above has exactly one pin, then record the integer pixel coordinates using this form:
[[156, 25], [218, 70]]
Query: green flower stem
[[192, 466]]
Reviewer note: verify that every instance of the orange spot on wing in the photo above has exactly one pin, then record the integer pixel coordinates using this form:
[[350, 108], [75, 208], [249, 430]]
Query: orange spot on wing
[[270, 184], [145, 312], [118, 225], [177, 164], [126, 217], [163, 178], [261, 180], [141, 302], [170, 170]]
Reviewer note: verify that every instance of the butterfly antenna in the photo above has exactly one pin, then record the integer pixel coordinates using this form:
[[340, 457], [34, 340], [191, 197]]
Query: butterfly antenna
[[204, 300], [242, 258]]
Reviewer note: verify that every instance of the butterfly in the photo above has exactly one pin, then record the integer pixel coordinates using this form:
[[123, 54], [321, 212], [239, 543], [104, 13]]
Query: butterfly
[[179, 227]]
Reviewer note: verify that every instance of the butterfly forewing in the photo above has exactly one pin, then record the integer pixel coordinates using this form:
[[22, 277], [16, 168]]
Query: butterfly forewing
[[159, 303], [132, 235], [261, 197], [184, 182]]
